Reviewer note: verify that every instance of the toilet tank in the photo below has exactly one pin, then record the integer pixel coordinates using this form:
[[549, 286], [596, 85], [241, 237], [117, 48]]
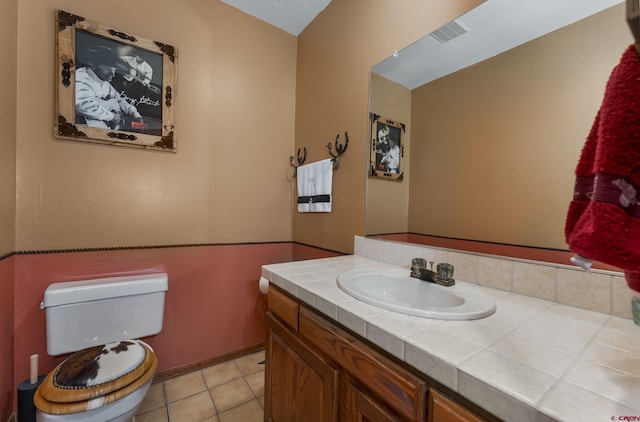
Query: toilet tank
[[81, 314]]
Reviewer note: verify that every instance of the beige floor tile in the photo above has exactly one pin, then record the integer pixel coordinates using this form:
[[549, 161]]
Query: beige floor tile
[[256, 382], [251, 363], [247, 412], [184, 386], [155, 415], [154, 398], [193, 408], [221, 373], [233, 386], [231, 394]]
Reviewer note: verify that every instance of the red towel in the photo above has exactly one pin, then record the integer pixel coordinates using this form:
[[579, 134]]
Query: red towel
[[603, 221]]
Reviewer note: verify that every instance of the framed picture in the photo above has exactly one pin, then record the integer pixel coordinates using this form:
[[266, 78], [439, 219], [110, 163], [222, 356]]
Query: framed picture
[[112, 87], [387, 150]]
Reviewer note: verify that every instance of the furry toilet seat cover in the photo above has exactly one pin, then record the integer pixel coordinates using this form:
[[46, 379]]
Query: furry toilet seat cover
[[96, 372]]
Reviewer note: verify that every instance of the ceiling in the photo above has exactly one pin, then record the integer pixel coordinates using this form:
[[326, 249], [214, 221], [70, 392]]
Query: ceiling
[[491, 28], [289, 15]]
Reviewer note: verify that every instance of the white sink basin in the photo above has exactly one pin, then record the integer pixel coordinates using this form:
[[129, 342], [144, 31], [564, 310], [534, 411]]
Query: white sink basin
[[394, 290]]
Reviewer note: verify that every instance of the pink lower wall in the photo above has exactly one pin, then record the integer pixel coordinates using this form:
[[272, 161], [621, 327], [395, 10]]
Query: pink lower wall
[[213, 305], [300, 252], [7, 386]]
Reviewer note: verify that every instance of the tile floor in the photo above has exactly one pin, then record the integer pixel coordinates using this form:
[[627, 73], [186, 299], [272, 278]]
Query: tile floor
[[231, 391]]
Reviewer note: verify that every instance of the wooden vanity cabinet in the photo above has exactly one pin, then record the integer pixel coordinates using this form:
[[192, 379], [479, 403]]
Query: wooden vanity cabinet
[[300, 385], [317, 371]]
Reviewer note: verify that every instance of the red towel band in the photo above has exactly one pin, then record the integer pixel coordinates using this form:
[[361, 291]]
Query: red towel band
[[610, 189]]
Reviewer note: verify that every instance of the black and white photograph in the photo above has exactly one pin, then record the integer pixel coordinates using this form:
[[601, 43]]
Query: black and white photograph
[[118, 86], [113, 87], [386, 148]]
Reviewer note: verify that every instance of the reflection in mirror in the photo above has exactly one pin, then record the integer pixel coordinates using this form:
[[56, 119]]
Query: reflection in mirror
[[490, 150], [386, 148]]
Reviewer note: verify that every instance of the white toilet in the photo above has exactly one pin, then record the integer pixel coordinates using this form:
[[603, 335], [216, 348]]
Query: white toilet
[[110, 371]]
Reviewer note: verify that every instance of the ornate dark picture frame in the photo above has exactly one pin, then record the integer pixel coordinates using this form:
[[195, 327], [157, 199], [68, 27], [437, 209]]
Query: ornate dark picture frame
[[386, 148], [112, 87]]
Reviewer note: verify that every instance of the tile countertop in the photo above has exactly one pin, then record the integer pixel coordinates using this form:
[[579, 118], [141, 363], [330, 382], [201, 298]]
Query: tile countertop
[[532, 360]]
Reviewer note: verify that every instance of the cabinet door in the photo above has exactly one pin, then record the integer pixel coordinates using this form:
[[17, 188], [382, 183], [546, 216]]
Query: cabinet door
[[356, 405], [299, 384], [441, 409]]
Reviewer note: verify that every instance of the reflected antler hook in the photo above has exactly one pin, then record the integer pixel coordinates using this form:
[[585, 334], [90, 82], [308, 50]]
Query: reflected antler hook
[[340, 149]]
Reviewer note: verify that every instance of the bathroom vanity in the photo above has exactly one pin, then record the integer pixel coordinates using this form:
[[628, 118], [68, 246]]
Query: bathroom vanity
[[332, 357], [318, 371]]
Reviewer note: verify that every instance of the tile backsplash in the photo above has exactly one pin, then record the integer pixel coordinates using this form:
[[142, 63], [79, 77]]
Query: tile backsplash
[[596, 290]]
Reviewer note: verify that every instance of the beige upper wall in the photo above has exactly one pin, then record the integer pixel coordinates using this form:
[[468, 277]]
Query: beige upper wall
[[238, 95], [229, 181], [507, 134], [335, 54], [388, 200], [8, 46]]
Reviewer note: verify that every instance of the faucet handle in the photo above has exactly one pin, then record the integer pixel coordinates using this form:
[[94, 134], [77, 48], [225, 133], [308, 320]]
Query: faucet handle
[[417, 264], [445, 271]]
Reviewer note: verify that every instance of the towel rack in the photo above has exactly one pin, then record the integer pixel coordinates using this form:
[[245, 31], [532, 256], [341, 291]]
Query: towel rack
[[340, 149], [301, 159]]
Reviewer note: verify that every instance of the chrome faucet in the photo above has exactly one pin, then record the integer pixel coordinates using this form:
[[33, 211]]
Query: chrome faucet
[[442, 276]]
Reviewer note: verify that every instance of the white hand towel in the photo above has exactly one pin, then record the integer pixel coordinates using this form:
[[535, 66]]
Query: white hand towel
[[314, 186]]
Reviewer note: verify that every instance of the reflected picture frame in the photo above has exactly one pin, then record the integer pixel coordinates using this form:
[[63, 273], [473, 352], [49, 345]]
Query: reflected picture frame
[[112, 87], [386, 149]]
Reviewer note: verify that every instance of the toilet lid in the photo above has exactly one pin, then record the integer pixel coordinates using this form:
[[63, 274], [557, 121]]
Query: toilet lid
[[97, 371], [54, 408]]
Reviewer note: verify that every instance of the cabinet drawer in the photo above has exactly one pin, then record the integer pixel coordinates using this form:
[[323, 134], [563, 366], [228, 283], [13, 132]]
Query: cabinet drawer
[[283, 307], [393, 385]]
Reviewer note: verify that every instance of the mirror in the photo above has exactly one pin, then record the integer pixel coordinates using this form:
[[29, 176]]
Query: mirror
[[490, 149]]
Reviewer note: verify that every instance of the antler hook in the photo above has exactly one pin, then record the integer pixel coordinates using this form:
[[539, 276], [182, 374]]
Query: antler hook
[[301, 160], [340, 149]]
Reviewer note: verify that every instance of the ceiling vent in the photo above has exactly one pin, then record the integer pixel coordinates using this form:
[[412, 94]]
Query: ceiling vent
[[449, 31]]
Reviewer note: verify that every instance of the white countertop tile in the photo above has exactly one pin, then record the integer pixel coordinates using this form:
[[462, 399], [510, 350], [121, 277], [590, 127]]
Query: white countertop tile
[[582, 316], [622, 325], [513, 311], [353, 315], [618, 339], [606, 382], [533, 359], [438, 369], [515, 378], [541, 332], [440, 343], [483, 335], [614, 358], [390, 329], [539, 356], [503, 405], [569, 403]]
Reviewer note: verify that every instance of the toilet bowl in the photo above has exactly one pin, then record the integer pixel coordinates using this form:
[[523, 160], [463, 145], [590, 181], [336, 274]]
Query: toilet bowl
[[121, 410], [110, 372]]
